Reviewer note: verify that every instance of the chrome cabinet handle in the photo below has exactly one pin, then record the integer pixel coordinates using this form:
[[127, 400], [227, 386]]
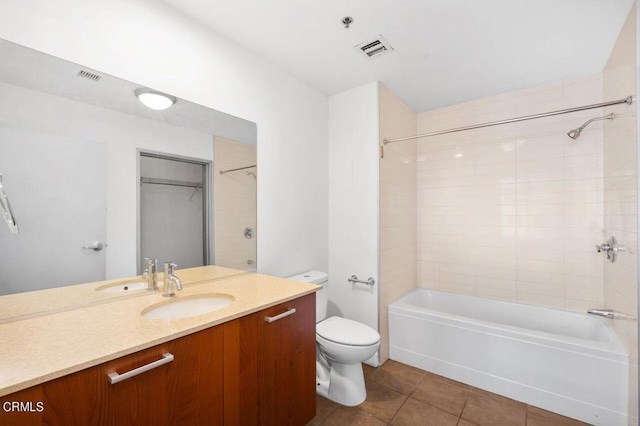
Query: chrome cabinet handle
[[97, 246], [280, 316], [115, 377]]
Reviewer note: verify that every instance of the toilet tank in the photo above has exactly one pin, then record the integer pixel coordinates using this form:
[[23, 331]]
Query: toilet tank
[[319, 278]]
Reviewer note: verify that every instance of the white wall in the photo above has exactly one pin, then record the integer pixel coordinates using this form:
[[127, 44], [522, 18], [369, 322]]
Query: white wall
[[353, 203], [58, 209], [149, 43], [122, 134]]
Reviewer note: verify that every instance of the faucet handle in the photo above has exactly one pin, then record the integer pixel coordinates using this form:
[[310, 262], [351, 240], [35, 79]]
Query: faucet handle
[[170, 266], [150, 266], [150, 273]]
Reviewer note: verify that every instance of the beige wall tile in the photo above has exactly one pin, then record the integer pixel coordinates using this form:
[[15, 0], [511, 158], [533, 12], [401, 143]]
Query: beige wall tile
[[620, 196], [519, 206], [512, 212], [399, 206], [234, 204]]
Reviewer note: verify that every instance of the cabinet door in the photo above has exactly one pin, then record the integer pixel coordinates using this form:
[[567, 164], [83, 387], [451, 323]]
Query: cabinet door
[[271, 380], [185, 391]]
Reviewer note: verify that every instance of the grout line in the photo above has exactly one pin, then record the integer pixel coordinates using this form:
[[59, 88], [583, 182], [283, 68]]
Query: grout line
[[465, 404], [396, 413]]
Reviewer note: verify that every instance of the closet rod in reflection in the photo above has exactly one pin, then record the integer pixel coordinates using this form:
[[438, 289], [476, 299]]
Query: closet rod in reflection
[[170, 182], [235, 170], [628, 100]]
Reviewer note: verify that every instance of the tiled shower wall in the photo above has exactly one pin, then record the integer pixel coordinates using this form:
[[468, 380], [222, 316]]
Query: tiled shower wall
[[397, 208], [621, 197], [513, 212], [234, 204]]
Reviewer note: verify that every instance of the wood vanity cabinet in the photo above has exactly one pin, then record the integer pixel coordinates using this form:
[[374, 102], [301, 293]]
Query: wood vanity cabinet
[[270, 367], [243, 372], [186, 391]]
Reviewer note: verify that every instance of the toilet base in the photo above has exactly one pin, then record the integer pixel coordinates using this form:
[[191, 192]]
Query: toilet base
[[345, 384]]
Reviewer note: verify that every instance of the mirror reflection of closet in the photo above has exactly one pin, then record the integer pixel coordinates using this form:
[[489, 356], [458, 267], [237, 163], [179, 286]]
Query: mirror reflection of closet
[[175, 207]]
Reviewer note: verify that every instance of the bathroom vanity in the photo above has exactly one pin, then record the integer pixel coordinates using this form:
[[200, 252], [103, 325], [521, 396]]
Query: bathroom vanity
[[251, 362]]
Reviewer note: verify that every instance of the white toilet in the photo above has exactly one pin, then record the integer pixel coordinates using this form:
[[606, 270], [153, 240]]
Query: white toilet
[[341, 347]]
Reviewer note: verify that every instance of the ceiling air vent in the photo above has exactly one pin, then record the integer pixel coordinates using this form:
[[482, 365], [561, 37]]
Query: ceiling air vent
[[376, 47], [89, 75]]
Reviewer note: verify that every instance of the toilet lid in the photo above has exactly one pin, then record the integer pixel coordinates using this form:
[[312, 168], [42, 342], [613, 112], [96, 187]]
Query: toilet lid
[[347, 332]]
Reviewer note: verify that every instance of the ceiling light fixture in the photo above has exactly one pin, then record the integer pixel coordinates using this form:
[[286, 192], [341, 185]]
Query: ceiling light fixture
[[155, 100]]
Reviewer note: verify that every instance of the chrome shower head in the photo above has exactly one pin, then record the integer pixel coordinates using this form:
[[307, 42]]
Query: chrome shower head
[[575, 133]]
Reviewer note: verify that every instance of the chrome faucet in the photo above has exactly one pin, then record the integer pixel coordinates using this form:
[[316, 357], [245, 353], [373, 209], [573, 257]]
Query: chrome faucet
[[609, 313], [170, 279], [611, 248], [150, 274]]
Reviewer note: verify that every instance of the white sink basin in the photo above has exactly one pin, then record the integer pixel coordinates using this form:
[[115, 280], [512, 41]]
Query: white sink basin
[[188, 306], [132, 286]]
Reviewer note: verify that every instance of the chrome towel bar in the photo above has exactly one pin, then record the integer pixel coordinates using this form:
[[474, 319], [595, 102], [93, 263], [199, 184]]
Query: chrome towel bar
[[354, 279]]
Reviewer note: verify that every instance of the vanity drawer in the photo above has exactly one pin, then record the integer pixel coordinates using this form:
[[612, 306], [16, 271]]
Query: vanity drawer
[[185, 390]]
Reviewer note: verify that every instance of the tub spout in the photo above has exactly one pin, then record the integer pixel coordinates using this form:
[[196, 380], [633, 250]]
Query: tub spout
[[609, 313]]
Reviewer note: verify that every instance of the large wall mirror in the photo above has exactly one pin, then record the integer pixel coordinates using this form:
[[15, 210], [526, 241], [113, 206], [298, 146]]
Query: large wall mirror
[[97, 180]]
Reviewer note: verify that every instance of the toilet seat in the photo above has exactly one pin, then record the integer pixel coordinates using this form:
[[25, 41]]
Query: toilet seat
[[347, 332]]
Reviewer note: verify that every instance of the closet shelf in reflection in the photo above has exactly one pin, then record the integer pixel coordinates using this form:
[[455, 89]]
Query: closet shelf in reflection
[[171, 182]]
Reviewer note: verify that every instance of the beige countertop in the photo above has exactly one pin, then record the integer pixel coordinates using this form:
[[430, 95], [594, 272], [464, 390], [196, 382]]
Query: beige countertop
[[45, 347], [21, 305]]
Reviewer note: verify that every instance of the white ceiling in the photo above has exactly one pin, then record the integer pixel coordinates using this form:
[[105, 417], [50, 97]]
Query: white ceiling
[[446, 51]]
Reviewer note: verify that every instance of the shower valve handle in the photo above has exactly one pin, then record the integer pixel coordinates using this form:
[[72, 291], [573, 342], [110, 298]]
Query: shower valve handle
[[611, 248]]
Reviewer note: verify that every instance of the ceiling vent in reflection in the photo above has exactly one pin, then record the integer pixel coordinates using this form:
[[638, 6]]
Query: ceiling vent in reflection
[[89, 75], [374, 48]]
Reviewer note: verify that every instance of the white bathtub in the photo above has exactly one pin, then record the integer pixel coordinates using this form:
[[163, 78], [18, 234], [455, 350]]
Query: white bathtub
[[572, 364]]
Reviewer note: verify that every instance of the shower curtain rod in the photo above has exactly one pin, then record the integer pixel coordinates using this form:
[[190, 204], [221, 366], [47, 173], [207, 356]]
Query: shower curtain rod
[[628, 100], [235, 170], [170, 182]]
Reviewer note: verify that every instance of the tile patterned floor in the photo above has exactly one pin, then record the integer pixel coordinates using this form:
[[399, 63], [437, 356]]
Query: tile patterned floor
[[400, 395]]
